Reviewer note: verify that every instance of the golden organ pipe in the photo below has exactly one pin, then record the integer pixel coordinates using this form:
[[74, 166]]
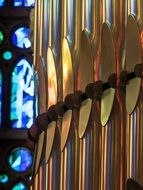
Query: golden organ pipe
[[119, 24], [103, 152], [69, 137], [86, 133], [41, 14], [40, 61], [36, 36], [139, 18], [134, 118], [52, 158], [52, 87]]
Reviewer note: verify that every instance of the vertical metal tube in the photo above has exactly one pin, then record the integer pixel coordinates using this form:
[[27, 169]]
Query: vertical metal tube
[[41, 15], [53, 161], [140, 147], [108, 178], [116, 17], [36, 37], [68, 61], [139, 18], [52, 156], [135, 128], [70, 152], [56, 29]]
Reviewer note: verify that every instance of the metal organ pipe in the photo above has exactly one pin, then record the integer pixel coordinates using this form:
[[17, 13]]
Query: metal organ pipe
[[97, 140]]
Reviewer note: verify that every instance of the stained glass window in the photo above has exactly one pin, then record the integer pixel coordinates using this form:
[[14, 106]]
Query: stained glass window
[[0, 95], [25, 3], [19, 186], [20, 38], [22, 98], [17, 3], [20, 159], [28, 3], [1, 37], [7, 55], [2, 3], [3, 178]]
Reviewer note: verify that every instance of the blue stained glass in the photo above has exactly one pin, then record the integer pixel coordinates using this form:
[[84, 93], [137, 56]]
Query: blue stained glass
[[17, 3], [3, 178], [20, 38], [29, 3], [2, 3], [20, 159], [20, 186], [0, 95], [22, 99]]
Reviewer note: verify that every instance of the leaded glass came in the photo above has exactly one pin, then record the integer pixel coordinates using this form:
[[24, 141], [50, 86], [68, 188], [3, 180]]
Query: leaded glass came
[[0, 95], [20, 159], [1, 37], [19, 186], [22, 95], [20, 38]]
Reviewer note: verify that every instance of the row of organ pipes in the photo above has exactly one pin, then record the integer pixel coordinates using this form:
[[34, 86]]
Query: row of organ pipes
[[88, 73]]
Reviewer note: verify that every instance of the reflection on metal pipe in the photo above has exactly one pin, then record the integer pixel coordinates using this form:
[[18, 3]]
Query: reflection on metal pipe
[[56, 27], [88, 15], [52, 157], [52, 78], [133, 7], [70, 20], [68, 81], [108, 12], [140, 139], [41, 28]]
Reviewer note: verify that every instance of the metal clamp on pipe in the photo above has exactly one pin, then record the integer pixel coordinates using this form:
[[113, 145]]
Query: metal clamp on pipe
[[75, 99], [125, 76], [95, 90], [60, 109], [41, 123], [138, 70]]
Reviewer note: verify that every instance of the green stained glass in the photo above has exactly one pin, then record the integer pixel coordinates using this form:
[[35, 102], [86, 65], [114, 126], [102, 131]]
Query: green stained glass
[[20, 186], [7, 55], [3, 178], [1, 37]]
